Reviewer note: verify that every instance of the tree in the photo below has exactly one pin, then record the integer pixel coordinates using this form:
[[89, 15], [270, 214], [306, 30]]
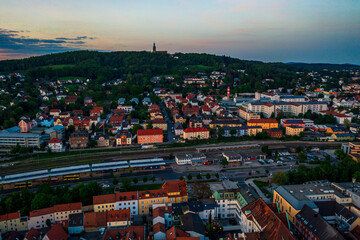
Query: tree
[[347, 123], [181, 178], [357, 176], [198, 176], [171, 156], [115, 181], [208, 176], [265, 149], [189, 177], [145, 179], [301, 156], [233, 132], [126, 184], [217, 175], [280, 178], [135, 180], [48, 150], [224, 162], [339, 153], [153, 178], [48, 222]]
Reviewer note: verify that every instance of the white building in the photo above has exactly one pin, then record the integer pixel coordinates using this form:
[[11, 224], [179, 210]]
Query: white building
[[127, 200], [56, 145]]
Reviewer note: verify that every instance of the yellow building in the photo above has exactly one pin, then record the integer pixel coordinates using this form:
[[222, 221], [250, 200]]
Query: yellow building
[[103, 203], [148, 198], [247, 115], [263, 123], [196, 133], [12, 222], [294, 130], [225, 122], [291, 198], [252, 131], [119, 218], [62, 211], [160, 124], [354, 151]]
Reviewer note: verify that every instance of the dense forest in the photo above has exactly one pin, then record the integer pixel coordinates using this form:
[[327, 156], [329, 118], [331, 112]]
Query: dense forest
[[323, 66]]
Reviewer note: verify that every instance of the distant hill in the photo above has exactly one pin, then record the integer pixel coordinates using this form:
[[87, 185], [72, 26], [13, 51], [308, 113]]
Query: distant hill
[[323, 66]]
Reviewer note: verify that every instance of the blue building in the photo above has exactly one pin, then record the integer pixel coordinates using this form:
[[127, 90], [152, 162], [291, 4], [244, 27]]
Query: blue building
[[76, 223], [49, 122], [60, 131]]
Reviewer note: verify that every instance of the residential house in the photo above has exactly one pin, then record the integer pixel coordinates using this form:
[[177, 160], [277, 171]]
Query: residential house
[[343, 136], [127, 200], [131, 232], [192, 224], [56, 145], [195, 123], [76, 223], [160, 124], [62, 212], [196, 133], [79, 140], [274, 132], [294, 130], [179, 130], [102, 139], [103, 203], [88, 101], [123, 138], [290, 122], [93, 221], [96, 111], [55, 112], [25, 125], [12, 222], [56, 233], [263, 123], [146, 136], [39, 217], [310, 225], [119, 218], [225, 122], [32, 234]]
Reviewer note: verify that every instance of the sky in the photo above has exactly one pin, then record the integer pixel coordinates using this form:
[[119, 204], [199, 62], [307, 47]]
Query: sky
[[326, 31]]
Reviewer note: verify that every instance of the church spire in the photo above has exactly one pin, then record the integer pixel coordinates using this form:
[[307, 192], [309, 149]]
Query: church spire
[[154, 47]]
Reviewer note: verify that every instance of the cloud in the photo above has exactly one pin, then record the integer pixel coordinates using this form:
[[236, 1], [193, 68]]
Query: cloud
[[14, 44]]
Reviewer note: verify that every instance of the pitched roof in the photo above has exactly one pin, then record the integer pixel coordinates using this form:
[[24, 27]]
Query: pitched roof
[[55, 140], [317, 225], [68, 207], [43, 211], [102, 199], [192, 222], [262, 121], [142, 132], [10, 216], [131, 232], [95, 219], [126, 196], [159, 227], [201, 129], [32, 234], [118, 215], [271, 224], [57, 233]]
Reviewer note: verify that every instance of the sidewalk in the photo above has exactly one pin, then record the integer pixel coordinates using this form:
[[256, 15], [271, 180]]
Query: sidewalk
[[261, 194]]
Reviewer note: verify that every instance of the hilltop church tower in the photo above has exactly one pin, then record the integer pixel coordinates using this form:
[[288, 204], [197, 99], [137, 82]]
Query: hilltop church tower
[[154, 48]]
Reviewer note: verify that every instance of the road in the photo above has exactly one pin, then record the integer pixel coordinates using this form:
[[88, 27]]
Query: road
[[170, 125]]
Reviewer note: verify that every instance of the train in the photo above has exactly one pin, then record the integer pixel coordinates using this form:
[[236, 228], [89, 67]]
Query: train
[[55, 175]]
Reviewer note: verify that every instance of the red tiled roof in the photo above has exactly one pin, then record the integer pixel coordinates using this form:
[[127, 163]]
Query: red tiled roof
[[10, 216], [159, 227], [271, 224], [102, 199], [32, 234], [54, 110], [126, 196], [157, 193], [68, 207], [55, 140], [176, 186], [131, 232], [118, 215], [142, 132], [202, 129], [262, 121], [176, 233], [57, 233], [43, 211], [95, 219]]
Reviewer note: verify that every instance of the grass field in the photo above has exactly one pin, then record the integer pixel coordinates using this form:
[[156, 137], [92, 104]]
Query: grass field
[[200, 67], [60, 66], [262, 186]]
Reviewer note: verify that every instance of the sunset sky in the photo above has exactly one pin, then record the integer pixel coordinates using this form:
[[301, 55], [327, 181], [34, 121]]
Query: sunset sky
[[266, 30]]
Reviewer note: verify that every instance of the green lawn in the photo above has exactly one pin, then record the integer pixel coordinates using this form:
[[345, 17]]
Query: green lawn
[[60, 66], [262, 186]]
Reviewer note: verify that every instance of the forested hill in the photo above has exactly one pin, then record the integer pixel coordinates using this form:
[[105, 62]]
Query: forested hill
[[323, 66], [107, 65]]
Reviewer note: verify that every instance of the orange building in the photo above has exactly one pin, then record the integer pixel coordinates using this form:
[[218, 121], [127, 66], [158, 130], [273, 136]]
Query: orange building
[[263, 123], [25, 125], [145, 136]]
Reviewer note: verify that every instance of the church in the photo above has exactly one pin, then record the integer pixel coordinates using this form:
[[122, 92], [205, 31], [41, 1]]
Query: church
[[154, 50]]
